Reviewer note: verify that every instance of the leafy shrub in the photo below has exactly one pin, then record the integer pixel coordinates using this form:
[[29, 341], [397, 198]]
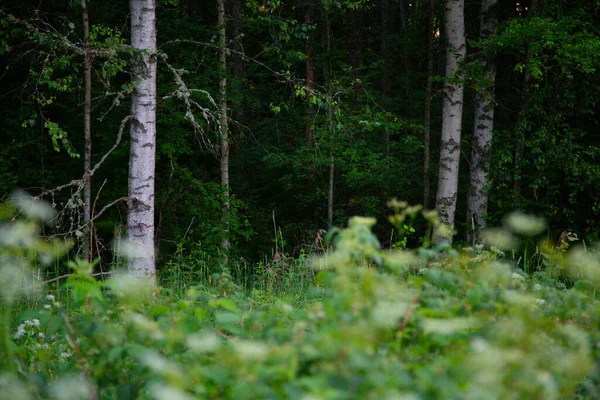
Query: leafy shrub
[[375, 325]]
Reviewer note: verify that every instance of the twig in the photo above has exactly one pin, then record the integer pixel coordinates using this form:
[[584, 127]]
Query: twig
[[70, 339], [117, 142], [184, 93], [31, 381], [285, 77], [68, 275], [91, 222], [408, 314], [225, 336], [189, 226], [79, 182], [106, 207]]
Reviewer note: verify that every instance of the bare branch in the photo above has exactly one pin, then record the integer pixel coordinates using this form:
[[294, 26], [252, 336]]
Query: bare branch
[[185, 94], [68, 275]]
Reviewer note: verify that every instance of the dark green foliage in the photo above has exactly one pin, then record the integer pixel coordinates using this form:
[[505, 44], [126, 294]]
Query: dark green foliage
[[545, 157]]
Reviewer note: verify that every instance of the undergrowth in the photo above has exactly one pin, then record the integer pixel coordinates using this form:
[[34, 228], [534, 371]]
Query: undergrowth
[[355, 322]]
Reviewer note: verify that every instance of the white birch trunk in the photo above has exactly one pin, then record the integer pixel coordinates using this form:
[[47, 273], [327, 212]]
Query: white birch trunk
[[477, 201], [223, 122], [140, 220], [451, 116]]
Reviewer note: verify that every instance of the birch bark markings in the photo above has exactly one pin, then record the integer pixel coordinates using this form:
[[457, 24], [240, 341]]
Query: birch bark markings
[[451, 115], [477, 199], [140, 220]]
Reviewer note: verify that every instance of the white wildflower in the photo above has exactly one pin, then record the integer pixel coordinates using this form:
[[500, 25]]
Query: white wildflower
[[47, 307], [288, 308], [20, 331], [50, 297], [35, 322], [479, 345], [65, 355], [537, 286], [74, 387], [517, 276], [251, 351], [203, 343], [162, 392]]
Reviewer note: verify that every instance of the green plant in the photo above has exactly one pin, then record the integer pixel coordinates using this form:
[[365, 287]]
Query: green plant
[[375, 324]]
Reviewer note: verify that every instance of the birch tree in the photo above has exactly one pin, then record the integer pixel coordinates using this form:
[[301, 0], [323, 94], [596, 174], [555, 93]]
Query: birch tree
[[224, 129], [477, 200], [447, 192], [140, 220], [87, 117]]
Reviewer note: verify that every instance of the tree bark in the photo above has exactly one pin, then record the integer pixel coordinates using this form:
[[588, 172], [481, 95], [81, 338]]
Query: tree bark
[[451, 116], [87, 128], [387, 30], [477, 198], [140, 220], [520, 127], [331, 175], [309, 19], [237, 72], [355, 57], [223, 125], [427, 119], [330, 127]]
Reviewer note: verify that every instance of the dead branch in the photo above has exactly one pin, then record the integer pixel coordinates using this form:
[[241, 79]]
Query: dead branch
[[58, 278]]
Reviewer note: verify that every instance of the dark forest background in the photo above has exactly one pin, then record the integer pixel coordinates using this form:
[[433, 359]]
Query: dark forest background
[[369, 57]]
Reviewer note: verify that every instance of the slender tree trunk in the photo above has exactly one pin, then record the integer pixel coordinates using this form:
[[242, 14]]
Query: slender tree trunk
[[427, 119], [223, 123], [331, 173], [356, 39], [87, 121], [309, 19], [477, 199], [451, 116], [237, 72], [330, 128], [402, 7], [140, 220], [520, 127], [387, 30]]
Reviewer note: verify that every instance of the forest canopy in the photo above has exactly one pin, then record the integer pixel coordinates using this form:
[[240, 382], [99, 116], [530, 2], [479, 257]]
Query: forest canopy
[[276, 120]]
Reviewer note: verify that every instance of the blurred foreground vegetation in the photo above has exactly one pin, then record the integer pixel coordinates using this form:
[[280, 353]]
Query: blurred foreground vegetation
[[355, 322]]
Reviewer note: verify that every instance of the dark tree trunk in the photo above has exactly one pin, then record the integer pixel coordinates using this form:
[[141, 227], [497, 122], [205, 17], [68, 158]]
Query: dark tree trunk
[[309, 19], [237, 72], [87, 118], [356, 39], [427, 119]]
